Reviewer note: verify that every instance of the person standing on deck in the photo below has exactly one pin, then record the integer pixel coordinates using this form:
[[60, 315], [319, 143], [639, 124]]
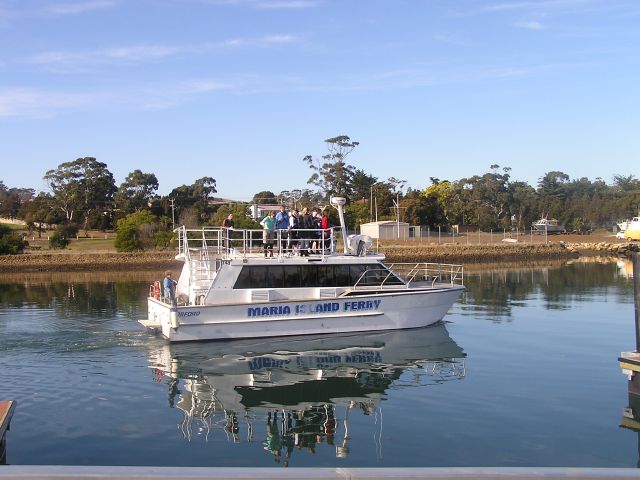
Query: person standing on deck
[[228, 225], [269, 225], [282, 223], [316, 225], [304, 224], [293, 231], [169, 288], [326, 230]]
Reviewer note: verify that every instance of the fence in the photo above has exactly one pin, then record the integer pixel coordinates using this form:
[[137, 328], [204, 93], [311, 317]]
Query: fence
[[424, 233]]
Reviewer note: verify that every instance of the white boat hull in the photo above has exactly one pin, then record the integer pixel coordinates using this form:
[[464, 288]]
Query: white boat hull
[[357, 313]]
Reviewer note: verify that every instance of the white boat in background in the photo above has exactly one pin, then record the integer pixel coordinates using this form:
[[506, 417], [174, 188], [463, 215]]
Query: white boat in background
[[229, 289], [548, 226], [632, 229], [623, 225]]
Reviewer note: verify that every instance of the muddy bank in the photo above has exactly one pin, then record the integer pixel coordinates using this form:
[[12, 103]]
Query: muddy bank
[[465, 254], [79, 262], [438, 253]]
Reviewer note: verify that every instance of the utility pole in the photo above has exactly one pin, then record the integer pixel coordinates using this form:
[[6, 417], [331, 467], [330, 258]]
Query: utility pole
[[173, 214], [371, 203]]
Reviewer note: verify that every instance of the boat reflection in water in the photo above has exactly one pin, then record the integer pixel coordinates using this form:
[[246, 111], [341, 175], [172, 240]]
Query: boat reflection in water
[[303, 387]]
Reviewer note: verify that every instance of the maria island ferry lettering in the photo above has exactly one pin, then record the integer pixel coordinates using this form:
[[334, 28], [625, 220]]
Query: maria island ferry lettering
[[229, 288], [300, 309]]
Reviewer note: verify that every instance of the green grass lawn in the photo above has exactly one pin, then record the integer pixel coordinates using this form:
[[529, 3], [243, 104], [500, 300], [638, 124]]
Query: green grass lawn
[[14, 226], [92, 245], [96, 242]]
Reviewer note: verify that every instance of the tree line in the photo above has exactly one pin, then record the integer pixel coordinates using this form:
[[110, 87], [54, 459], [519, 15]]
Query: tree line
[[82, 195]]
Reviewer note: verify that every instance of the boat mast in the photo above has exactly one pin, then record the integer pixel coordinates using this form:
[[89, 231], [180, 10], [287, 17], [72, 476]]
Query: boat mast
[[339, 202]]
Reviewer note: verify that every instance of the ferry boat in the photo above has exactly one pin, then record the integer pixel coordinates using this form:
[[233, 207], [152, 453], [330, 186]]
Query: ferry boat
[[229, 289], [548, 226]]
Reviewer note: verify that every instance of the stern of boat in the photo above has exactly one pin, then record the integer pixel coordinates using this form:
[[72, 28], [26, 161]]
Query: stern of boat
[[161, 317]]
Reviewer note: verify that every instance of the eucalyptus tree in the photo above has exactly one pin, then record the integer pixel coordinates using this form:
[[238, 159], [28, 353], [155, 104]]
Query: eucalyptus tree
[[81, 188], [41, 212], [523, 205], [487, 198], [552, 193], [136, 192], [194, 201], [418, 209], [265, 197], [626, 183], [362, 184], [12, 199], [449, 198], [333, 174], [627, 195]]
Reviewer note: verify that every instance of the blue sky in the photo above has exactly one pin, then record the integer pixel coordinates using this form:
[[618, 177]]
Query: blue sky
[[242, 90]]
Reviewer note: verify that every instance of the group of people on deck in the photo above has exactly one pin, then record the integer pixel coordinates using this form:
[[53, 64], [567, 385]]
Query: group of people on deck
[[305, 232]]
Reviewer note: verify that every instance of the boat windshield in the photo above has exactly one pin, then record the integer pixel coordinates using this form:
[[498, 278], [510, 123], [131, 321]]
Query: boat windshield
[[313, 275]]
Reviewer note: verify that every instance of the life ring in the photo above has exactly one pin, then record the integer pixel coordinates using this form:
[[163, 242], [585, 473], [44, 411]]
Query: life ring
[[156, 290]]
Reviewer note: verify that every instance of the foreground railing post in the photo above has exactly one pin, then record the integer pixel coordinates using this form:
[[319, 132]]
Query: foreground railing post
[[636, 295]]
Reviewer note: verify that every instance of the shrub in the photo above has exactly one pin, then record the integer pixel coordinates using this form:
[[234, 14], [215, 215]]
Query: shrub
[[165, 239], [126, 238], [10, 242], [61, 236], [139, 231]]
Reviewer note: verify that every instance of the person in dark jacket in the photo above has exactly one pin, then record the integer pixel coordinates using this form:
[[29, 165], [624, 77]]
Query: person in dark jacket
[[304, 225]]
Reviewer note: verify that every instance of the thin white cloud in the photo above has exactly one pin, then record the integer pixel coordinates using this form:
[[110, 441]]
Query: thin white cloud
[[451, 40], [80, 61], [25, 102], [76, 8], [538, 5], [260, 42], [529, 25], [44, 103], [30, 102], [262, 4], [165, 97], [295, 4], [130, 54]]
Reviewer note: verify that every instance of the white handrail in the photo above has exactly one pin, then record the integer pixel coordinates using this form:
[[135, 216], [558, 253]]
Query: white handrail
[[232, 243]]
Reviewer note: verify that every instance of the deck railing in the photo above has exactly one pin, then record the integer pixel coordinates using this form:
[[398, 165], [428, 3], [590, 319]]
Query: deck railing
[[403, 275], [435, 273], [233, 243]]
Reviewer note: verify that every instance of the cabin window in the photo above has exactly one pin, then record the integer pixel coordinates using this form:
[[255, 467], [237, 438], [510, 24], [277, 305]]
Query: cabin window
[[355, 272], [247, 278], [275, 276], [342, 277], [309, 276], [378, 274], [292, 276], [325, 276], [295, 276]]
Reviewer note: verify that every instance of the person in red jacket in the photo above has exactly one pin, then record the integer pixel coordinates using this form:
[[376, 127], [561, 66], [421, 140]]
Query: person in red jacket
[[326, 230]]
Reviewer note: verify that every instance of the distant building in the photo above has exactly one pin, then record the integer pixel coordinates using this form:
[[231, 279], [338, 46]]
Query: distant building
[[386, 230], [258, 212], [463, 228]]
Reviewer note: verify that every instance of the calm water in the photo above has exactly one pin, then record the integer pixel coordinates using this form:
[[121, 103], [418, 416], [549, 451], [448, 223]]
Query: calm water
[[524, 373]]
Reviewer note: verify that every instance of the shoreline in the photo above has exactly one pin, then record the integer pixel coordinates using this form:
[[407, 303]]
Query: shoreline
[[83, 262], [65, 261]]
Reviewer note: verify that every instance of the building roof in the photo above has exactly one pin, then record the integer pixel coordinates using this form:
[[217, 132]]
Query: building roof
[[385, 222]]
